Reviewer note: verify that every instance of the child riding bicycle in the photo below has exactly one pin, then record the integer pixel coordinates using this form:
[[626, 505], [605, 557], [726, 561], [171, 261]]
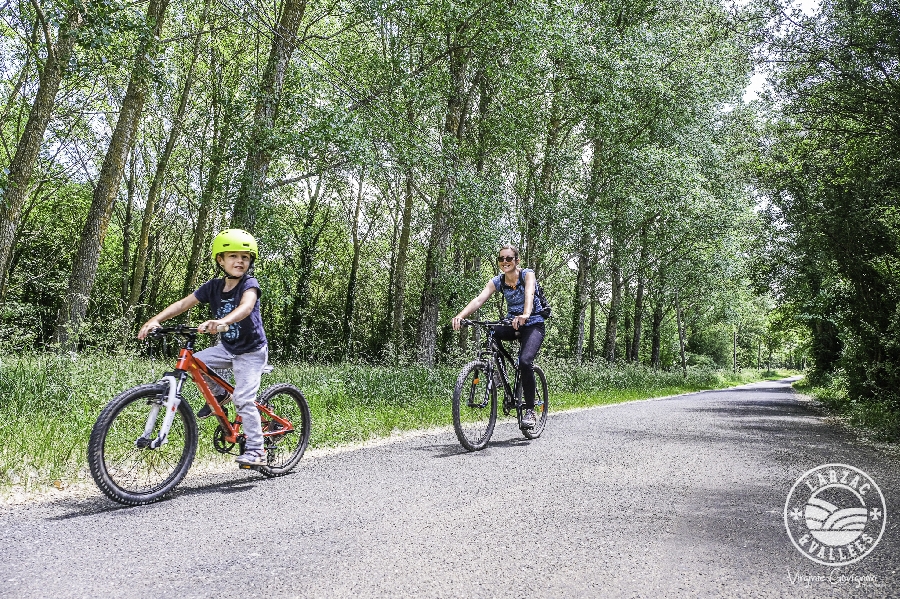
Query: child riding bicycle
[[234, 303]]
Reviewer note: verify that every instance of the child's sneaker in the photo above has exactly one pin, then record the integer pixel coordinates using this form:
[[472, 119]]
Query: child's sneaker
[[206, 411], [254, 457]]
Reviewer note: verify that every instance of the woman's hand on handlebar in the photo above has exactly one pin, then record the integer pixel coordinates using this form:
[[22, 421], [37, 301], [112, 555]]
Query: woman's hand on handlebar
[[519, 321], [457, 322]]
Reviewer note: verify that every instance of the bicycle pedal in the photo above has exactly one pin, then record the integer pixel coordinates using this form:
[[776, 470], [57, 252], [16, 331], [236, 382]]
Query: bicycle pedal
[[249, 467]]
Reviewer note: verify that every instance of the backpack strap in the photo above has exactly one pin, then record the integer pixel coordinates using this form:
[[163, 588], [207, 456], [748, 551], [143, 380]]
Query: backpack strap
[[521, 281]]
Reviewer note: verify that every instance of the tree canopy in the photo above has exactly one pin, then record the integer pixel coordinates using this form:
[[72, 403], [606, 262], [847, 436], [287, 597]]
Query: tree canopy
[[382, 152]]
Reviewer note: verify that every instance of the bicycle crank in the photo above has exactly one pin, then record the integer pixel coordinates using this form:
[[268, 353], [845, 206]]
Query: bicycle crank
[[219, 442]]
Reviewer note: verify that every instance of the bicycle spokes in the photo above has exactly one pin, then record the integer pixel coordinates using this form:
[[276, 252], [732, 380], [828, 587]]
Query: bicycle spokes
[[474, 406], [286, 425]]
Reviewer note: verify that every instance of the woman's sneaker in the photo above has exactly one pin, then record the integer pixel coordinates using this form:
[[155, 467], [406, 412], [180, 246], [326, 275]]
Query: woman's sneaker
[[254, 457], [528, 419], [206, 411]]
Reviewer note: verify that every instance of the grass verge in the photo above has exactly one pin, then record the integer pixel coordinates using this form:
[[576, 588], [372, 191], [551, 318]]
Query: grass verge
[[48, 403], [868, 418]]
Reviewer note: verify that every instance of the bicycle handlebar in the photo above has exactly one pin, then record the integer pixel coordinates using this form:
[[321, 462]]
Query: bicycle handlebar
[[181, 329], [486, 323], [174, 329]]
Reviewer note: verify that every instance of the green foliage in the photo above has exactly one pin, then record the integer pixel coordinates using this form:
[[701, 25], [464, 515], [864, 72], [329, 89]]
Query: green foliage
[[829, 167], [877, 419], [593, 136]]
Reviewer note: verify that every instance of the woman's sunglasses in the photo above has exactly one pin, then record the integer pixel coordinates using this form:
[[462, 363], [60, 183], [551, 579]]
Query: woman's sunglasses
[[502, 259]]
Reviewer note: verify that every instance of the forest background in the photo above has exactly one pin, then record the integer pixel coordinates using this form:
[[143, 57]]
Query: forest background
[[381, 152]]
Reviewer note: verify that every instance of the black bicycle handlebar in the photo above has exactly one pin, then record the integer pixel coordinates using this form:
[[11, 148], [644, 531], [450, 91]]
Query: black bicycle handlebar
[[174, 329], [187, 330], [486, 323]]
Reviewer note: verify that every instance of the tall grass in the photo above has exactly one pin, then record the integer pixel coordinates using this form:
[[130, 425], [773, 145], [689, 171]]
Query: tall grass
[[877, 419], [48, 402]]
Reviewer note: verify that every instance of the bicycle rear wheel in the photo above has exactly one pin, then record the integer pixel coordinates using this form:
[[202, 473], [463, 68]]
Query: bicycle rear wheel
[[128, 470], [284, 449], [474, 406], [541, 405]]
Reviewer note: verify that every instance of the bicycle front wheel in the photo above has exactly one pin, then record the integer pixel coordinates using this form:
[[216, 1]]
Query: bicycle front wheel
[[541, 405], [284, 449], [122, 464], [474, 406]]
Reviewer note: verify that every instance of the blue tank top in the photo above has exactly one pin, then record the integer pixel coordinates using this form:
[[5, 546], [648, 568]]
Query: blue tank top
[[515, 298]]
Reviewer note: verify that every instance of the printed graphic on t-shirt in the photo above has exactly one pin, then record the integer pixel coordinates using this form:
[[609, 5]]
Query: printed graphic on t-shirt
[[233, 332]]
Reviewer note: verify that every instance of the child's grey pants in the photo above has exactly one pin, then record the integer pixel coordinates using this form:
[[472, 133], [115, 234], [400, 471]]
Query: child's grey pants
[[247, 370]]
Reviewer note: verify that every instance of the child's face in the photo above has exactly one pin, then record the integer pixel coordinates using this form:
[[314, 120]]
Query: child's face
[[234, 263]]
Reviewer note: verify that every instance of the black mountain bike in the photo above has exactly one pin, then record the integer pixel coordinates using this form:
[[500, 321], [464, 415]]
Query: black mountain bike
[[475, 395]]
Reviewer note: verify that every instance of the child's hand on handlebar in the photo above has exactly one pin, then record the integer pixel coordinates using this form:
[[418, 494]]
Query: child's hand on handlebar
[[148, 328], [212, 327]]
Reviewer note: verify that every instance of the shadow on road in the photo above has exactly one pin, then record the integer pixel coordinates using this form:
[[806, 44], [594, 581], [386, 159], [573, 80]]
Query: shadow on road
[[101, 505], [762, 408], [450, 450]]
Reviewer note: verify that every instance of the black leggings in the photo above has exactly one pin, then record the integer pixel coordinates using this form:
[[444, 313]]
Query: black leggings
[[530, 339]]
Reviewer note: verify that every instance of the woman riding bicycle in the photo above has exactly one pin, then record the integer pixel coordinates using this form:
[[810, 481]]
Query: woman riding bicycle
[[518, 287]]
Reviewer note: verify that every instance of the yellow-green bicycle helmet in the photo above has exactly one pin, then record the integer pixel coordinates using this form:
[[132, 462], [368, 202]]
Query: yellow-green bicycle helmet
[[234, 240]]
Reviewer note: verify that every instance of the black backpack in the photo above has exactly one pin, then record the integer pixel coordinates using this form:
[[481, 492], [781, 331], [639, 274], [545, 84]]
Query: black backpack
[[545, 310]]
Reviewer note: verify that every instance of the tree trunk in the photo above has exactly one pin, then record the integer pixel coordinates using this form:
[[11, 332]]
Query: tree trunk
[[21, 167], [156, 185], [626, 326], [639, 299], [154, 282], [680, 335], [473, 260], [609, 346], [592, 329], [308, 239], [221, 121], [439, 239], [580, 300], [87, 257], [656, 337], [126, 230], [585, 259], [734, 352], [398, 294], [469, 270], [354, 266], [544, 190], [200, 237], [261, 150]]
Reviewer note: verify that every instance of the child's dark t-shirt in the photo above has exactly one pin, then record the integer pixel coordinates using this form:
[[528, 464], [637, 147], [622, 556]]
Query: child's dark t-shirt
[[244, 336]]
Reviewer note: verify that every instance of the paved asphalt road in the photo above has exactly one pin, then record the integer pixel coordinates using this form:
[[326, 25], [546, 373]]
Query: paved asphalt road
[[680, 497]]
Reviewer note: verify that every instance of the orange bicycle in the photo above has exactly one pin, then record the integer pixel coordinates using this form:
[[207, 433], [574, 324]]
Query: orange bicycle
[[145, 439]]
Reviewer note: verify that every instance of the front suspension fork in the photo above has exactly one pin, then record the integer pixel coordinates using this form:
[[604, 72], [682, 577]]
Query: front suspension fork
[[173, 399]]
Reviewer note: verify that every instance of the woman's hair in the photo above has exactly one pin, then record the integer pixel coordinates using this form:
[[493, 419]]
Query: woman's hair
[[509, 246]]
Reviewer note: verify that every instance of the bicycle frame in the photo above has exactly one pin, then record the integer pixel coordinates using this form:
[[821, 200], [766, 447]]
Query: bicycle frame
[[499, 356], [190, 365]]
